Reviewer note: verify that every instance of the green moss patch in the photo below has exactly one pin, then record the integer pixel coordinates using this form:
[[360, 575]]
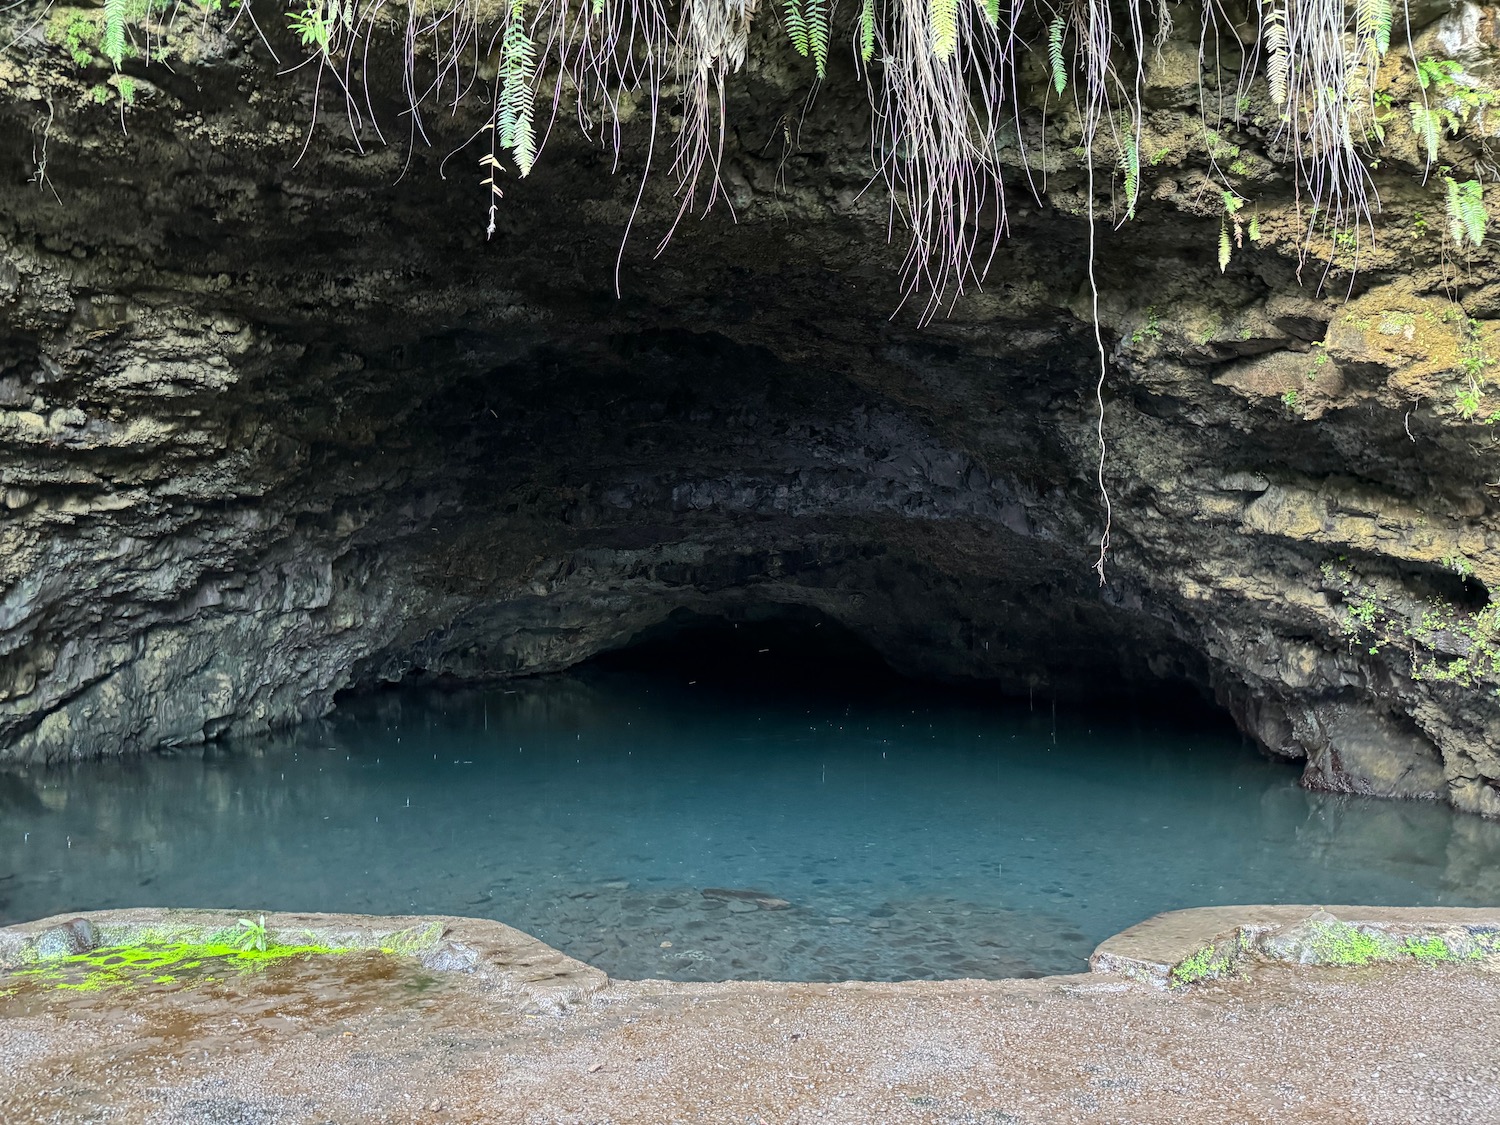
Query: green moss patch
[[1338, 943], [171, 964], [1207, 964], [1327, 940]]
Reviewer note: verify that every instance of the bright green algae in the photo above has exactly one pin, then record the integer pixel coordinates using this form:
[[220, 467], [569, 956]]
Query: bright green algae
[[160, 964], [165, 958]]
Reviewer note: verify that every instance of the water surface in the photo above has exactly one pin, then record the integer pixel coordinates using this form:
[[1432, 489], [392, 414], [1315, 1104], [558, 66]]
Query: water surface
[[913, 834]]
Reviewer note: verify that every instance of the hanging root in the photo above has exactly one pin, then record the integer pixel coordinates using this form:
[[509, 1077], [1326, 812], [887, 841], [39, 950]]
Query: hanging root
[[943, 79]]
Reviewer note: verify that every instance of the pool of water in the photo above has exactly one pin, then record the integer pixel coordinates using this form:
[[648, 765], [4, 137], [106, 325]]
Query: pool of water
[[661, 828]]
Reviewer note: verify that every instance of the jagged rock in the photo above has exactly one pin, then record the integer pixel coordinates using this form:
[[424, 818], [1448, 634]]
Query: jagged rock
[[68, 940]]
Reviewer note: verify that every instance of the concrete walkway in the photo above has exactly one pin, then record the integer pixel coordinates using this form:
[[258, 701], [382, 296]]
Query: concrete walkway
[[483, 1024]]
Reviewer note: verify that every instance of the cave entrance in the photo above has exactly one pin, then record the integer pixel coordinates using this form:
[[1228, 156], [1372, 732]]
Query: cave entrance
[[776, 649], [772, 647]]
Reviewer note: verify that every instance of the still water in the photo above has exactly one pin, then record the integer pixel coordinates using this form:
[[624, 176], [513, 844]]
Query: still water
[[611, 813]]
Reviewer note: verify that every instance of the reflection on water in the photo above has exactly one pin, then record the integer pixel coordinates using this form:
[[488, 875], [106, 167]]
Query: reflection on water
[[912, 835]]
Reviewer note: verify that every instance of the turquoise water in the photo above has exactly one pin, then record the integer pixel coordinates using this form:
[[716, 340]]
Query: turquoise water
[[912, 834]]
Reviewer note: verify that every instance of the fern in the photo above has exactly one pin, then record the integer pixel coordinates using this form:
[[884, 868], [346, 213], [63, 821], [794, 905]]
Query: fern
[[312, 25], [991, 12], [1226, 248], [943, 15], [1424, 123], [1437, 72], [1055, 54], [112, 44], [1467, 218], [1278, 55], [816, 19], [1130, 164], [867, 31], [1373, 24], [517, 97], [796, 27]]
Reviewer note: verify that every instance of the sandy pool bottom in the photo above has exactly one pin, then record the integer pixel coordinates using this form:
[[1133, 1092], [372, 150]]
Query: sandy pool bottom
[[366, 1038]]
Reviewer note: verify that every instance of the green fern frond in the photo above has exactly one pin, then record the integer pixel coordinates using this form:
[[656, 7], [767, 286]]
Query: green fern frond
[[1476, 218], [1055, 54], [517, 95], [1278, 55], [796, 27], [1373, 24], [1467, 218], [817, 34], [867, 31], [1424, 123], [943, 16], [112, 43], [1130, 164], [1226, 248], [991, 12]]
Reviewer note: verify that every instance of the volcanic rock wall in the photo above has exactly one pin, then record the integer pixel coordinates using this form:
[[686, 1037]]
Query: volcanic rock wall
[[274, 423]]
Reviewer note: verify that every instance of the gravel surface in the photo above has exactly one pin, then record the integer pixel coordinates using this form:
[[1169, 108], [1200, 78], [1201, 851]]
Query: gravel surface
[[365, 1038]]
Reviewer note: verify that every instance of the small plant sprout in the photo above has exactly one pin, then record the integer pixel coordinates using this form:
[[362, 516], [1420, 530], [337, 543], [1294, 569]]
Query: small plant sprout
[[1150, 329], [254, 935], [1459, 565]]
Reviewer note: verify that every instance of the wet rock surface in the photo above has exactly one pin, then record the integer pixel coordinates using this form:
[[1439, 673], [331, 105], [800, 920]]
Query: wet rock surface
[[274, 427]]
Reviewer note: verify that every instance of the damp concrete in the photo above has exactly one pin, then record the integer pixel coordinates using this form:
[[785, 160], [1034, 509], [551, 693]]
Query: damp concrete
[[458, 1020]]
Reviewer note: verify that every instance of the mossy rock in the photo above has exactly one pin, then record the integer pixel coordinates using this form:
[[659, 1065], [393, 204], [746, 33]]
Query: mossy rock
[[1415, 346]]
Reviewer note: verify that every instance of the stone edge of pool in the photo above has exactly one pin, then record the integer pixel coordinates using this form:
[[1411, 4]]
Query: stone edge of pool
[[1176, 948]]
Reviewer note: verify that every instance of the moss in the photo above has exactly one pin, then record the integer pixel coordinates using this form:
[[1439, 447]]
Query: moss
[[1209, 962], [413, 940], [81, 31], [160, 963], [1338, 943], [1434, 951]]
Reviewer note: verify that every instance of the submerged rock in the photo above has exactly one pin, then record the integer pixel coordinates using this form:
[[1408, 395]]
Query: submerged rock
[[744, 901]]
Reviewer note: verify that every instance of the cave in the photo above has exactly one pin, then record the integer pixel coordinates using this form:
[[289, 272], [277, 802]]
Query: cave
[[281, 420], [293, 424], [618, 536]]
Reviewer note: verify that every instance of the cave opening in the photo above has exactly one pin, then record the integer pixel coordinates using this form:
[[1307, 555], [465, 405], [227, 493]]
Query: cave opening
[[768, 646], [754, 649]]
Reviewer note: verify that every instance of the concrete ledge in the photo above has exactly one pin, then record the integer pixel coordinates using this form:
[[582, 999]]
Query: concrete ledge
[[1184, 946], [1177, 948], [515, 963]]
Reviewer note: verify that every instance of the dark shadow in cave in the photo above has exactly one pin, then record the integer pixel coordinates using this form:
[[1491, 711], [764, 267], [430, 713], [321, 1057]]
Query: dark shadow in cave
[[784, 651], [766, 647]]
